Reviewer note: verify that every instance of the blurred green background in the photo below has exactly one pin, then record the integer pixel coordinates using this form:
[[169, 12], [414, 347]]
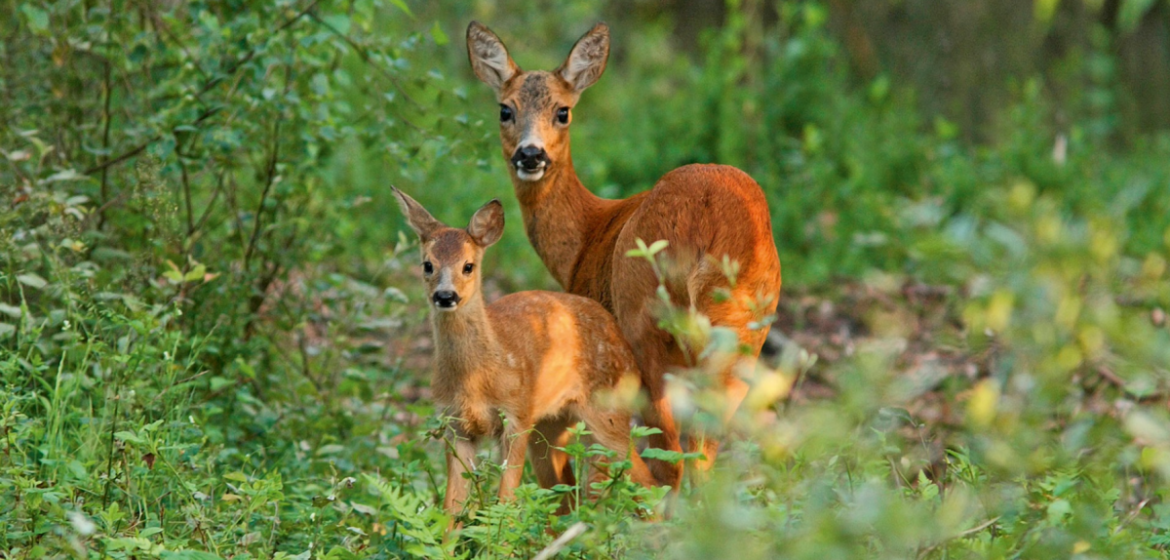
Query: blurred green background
[[212, 342]]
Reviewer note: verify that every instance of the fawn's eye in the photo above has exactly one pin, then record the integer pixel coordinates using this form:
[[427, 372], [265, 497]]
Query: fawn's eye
[[505, 113], [428, 268], [563, 115], [467, 268]]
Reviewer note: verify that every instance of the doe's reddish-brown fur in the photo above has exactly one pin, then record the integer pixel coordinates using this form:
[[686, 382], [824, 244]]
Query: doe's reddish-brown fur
[[525, 367], [705, 212]]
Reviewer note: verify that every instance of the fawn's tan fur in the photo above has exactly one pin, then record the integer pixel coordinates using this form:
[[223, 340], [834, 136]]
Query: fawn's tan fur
[[706, 212], [535, 358]]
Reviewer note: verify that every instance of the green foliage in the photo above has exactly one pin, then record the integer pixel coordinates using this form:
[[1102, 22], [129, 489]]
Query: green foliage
[[211, 344]]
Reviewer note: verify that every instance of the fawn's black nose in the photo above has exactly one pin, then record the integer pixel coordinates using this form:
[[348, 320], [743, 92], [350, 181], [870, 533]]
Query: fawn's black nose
[[530, 158], [445, 298]]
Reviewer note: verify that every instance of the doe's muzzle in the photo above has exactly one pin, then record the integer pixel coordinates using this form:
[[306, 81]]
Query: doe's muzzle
[[530, 159]]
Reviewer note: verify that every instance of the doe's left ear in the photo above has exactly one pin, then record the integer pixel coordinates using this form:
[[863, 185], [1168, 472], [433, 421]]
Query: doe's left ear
[[587, 60], [487, 225]]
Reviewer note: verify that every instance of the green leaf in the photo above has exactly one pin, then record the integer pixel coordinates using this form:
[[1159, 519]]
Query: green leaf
[[402, 6], [1132, 12], [638, 432], [1043, 10], [1058, 510], [672, 457], [195, 273], [438, 35], [340, 22], [32, 280], [38, 19], [189, 555], [128, 437]]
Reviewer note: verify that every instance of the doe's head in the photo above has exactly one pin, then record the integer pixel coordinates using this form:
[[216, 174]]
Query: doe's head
[[536, 107], [451, 256]]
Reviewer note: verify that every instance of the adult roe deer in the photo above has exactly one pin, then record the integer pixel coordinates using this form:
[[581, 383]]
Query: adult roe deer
[[705, 212], [535, 357]]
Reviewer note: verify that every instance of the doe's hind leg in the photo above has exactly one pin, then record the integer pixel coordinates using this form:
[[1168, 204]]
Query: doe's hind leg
[[735, 313], [550, 464], [612, 430]]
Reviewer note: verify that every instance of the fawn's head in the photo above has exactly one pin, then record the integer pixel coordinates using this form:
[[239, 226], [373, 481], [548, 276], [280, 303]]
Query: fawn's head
[[451, 256], [535, 107]]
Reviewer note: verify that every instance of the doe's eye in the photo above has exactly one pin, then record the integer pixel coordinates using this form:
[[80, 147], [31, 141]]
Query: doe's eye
[[563, 115], [506, 113], [428, 268], [467, 268]]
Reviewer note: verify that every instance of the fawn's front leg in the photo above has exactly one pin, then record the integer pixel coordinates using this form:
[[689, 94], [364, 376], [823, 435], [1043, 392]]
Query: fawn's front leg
[[515, 444], [460, 457]]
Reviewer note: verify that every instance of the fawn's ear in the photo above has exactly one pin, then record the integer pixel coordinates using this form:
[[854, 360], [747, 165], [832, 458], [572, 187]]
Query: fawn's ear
[[421, 221], [489, 57], [487, 225], [587, 60]]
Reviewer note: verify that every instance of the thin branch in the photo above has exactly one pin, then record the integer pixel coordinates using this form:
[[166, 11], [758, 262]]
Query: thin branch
[[108, 90], [576, 530], [208, 86], [210, 203], [270, 178], [967, 533], [1115, 380], [186, 180], [123, 157]]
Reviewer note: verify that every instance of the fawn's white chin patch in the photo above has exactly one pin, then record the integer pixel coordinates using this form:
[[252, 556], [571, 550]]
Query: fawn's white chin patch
[[530, 175], [446, 308]]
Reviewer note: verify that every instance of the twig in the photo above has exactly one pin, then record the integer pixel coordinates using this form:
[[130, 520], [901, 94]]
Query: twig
[[922, 553], [576, 530], [210, 203], [109, 93], [186, 187], [207, 86], [1113, 379], [119, 159], [270, 178]]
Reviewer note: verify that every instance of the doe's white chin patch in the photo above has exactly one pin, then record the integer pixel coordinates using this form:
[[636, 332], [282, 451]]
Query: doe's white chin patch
[[529, 175]]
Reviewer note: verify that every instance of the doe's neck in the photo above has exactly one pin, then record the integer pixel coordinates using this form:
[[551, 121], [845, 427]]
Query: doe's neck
[[559, 213]]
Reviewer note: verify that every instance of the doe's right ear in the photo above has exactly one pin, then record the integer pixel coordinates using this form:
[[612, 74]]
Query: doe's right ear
[[489, 57], [421, 221]]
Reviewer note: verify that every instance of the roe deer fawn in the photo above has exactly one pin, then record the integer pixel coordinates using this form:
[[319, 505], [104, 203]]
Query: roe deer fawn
[[536, 358], [706, 212]]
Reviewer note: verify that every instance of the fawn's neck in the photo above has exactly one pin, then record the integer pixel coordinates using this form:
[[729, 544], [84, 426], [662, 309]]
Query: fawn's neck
[[464, 344], [559, 214]]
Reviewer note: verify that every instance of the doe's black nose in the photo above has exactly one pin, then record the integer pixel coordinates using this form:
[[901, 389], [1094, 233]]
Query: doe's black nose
[[530, 158], [445, 298]]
